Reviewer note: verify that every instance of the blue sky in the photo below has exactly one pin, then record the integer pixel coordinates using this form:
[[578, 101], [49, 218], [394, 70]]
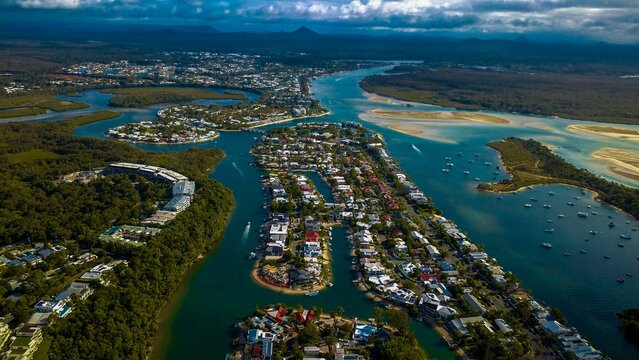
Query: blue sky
[[614, 21]]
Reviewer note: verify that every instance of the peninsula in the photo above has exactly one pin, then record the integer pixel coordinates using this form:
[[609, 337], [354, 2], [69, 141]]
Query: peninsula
[[530, 163], [405, 255]]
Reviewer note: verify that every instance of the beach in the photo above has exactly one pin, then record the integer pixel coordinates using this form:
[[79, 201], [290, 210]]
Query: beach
[[441, 115], [609, 131]]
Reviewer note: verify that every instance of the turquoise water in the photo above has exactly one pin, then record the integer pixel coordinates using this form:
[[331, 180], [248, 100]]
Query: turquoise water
[[583, 286]]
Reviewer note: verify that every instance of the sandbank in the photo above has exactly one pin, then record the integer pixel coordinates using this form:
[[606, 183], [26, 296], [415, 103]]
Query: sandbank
[[623, 162], [441, 115], [609, 131]]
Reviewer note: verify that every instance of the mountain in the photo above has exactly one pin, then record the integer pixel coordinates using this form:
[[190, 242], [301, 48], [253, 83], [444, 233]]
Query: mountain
[[304, 31]]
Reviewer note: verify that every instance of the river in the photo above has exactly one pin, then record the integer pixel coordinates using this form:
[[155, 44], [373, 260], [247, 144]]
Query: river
[[582, 286]]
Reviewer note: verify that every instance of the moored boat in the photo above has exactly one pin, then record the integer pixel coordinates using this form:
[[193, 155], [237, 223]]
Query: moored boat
[[546, 245]]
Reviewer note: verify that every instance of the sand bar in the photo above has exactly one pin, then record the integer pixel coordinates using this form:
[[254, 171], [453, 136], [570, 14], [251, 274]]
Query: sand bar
[[609, 131], [441, 115], [625, 162]]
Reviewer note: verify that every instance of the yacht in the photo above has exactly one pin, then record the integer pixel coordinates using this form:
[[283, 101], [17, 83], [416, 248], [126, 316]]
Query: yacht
[[466, 172], [546, 245], [611, 224], [547, 206], [477, 179], [500, 198], [582, 214], [625, 236], [606, 257], [450, 164], [487, 163], [549, 230], [620, 280], [569, 203], [561, 216], [629, 274], [551, 193], [566, 254], [460, 154], [312, 293], [445, 170], [594, 213], [447, 158], [582, 251], [527, 205], [533, 199], [549, 221], [592, 232], [621, 245]]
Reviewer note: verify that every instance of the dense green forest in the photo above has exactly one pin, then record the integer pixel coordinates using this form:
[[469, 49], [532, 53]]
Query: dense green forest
[[140, 97], [117, 321], [629, 322], [530, 163], [580, 96]]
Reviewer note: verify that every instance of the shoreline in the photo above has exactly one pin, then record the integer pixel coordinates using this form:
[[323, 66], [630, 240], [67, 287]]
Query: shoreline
[[287, 120], [164, 142], [427, 115], [606, 131]]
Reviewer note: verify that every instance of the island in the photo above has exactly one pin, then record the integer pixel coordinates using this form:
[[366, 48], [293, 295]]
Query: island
[[86, 225], [280, 332], [144, 96], [629, 323], [530, 163], [35, 103], [405, 254]]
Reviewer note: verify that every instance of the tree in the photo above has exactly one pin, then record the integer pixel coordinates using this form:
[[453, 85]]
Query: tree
[[310, 335]]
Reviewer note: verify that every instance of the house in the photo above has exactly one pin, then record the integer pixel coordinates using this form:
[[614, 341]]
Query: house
[[503, 326], [474, 303], [80, 290], [186, 188], [178, 203], [274, 249], [374, 269]]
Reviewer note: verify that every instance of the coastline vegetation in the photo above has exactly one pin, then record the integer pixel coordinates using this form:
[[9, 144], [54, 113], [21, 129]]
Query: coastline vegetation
[[629, 323], [143, 96], [574, 95], [36, 206], [530, 163], [35, 104]]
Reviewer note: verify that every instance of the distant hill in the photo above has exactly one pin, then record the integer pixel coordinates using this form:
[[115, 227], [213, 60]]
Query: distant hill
[[304, 31]]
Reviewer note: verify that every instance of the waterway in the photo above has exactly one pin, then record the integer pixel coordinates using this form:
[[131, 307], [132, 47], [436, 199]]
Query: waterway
[[582, 285]]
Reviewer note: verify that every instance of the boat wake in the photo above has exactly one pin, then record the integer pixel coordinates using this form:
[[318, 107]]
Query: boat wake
[[245, 234], [417, 149], [238, 169]]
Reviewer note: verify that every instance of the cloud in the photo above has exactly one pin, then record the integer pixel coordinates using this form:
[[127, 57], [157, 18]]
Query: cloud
[[610, 20]]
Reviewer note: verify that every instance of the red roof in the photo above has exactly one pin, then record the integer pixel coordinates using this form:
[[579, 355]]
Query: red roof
[[312, 236], [310, 315], [256, 350], [300, 318], [430, 278]]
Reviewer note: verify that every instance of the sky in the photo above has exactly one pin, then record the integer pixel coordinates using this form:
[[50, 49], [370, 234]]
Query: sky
[[615, 21]]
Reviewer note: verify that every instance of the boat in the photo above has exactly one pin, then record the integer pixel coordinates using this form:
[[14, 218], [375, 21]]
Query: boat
[[329, 284], [312, 293], [625, 236], [445, 170], [546, 245], [594, 213], [582, 251], [549, 230], [569, 203], [477, 179], [635, 229], [620, 280], [248, 223], [476, 155], [460, 154], [549, 221], [627, 221], [450, 164], [606, 257], [487, 163], [447, 158], [466, 172], [547, 206], [561, 216], [500, 198], [592, 232], [629, 275], [621, 244], [551, 193], [566, 254], [252, 255], [527, 205], [611, 224], [577, 198], [533, 199], [582, 214]]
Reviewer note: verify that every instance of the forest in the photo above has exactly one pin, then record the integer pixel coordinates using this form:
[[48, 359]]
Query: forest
[[119, 320], [140, 97], [574, 94], [530, 163]]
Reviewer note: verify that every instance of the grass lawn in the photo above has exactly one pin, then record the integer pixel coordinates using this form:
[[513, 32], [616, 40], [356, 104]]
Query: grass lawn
[[38, 101], [43, 349]]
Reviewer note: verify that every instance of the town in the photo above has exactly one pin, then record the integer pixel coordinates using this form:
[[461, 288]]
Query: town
[[407, 255], [281, 332], [26, 266]]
